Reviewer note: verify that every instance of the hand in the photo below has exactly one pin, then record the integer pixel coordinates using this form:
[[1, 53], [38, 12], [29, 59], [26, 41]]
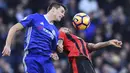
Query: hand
[[6, 51], [54, 56], [60, 48], [115, 43]]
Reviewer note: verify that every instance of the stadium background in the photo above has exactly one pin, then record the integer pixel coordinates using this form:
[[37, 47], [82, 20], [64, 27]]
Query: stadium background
[[109, 19]]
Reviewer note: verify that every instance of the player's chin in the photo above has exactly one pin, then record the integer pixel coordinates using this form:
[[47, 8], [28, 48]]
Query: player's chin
[[58, 19]]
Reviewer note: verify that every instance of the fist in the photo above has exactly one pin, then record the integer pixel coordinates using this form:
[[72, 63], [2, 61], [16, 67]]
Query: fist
[[54, 56], [115, 43]]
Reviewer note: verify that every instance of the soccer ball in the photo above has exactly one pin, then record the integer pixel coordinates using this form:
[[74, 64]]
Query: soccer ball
[[81, 21]]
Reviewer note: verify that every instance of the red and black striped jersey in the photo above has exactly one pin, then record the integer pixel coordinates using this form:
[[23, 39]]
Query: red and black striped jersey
[[74, 45]]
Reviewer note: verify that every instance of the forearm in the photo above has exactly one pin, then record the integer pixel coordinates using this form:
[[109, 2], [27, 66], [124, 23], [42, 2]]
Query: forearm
[[99, 45], [10, 36], [60, 46]]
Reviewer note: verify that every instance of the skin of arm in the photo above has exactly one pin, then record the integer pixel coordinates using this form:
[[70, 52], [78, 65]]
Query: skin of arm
[[54, 55], [60, 41], [60, 46], [6, 51], [93, 47], [12, 32]]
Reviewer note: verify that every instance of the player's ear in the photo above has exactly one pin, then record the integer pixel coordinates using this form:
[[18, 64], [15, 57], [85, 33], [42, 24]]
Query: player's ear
[[53, 9]]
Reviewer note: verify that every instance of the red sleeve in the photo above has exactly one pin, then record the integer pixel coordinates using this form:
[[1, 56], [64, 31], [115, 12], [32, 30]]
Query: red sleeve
[[62, 35]]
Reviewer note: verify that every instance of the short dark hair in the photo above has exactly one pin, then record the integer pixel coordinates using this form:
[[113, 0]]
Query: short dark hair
[[56, 5]]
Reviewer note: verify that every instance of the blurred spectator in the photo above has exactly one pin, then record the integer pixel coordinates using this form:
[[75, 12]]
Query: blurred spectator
[[128, 68], [72, 7], [10, 18], [21, 68], [88, 6], [19, 13], [64, 66], [3, 33], [3, 4], [5, 67], [107, 5], [98, 64], [106, 68]]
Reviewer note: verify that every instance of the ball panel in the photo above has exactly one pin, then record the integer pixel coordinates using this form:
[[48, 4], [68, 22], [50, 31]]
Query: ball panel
[[82, 27], [81, 21], [86, 20], [77, 19]]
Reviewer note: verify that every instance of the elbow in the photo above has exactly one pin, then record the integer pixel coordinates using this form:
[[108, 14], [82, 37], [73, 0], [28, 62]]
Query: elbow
[[93, 48]]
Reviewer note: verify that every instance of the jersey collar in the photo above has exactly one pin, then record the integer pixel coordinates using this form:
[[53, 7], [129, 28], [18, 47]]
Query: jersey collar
[[47, 20]]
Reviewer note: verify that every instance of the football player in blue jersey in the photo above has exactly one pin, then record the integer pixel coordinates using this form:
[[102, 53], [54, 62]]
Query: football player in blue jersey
[[41, 39]]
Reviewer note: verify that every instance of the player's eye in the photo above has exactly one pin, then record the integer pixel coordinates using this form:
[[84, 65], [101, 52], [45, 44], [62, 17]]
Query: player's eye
[[62, 11]]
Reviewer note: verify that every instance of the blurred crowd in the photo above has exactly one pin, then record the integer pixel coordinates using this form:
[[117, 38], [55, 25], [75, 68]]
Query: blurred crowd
[[109, 20]]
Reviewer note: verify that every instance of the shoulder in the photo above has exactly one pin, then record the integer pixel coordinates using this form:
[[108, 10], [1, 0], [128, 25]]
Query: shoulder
[[35, 15]]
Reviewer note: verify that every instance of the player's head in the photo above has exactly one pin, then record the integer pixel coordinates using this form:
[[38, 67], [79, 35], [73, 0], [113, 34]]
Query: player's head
[[65, 29], [58, 10]]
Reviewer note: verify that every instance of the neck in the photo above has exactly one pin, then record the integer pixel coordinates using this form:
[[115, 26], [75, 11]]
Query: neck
[[49, 17]]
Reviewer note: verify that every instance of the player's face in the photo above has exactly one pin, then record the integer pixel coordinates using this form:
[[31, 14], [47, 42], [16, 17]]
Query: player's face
[[59, 13]]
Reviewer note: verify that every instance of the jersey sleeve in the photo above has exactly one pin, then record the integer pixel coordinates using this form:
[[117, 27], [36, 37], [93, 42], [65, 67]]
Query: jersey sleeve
[[26, 22], [61, 35]]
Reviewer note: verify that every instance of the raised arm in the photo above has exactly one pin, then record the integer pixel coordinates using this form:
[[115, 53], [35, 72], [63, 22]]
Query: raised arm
[[93, 47], [6, 51]]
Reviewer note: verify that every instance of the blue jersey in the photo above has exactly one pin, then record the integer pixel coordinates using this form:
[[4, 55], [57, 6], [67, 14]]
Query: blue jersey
[[40, 36]]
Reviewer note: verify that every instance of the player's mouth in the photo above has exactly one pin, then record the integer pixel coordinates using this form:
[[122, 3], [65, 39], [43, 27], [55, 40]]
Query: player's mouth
[[60, 17]]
